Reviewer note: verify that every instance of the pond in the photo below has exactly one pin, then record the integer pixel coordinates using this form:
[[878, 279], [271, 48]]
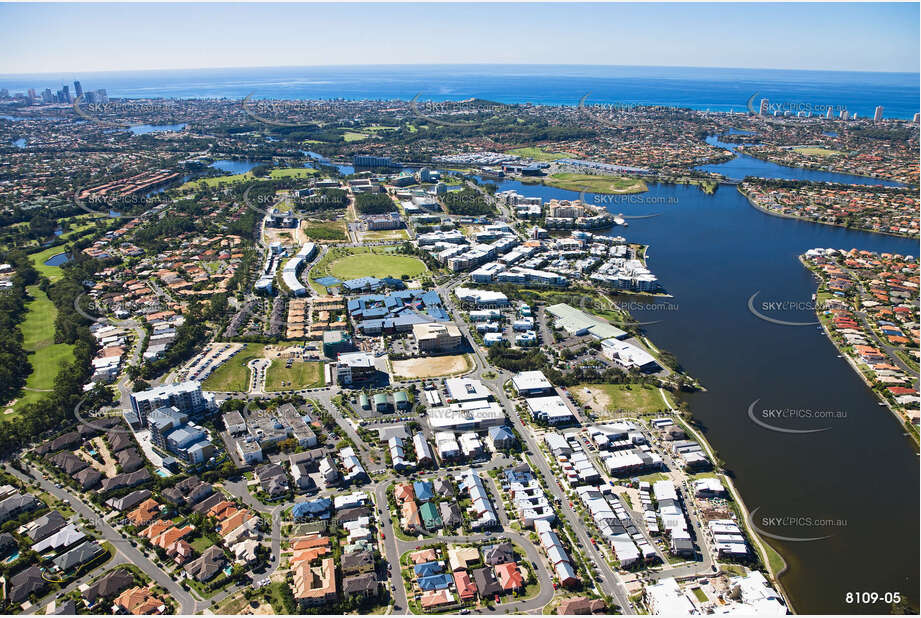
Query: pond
[[57, 259]]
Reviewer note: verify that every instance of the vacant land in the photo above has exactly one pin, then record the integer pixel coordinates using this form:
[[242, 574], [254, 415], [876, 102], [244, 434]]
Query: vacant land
[[634, 398], [539, 154], [385, 235], [817, 151], [234, 375], [595, 184], [352, 136], [300, 375], [324, 230], [275, 174], [46, 357], [431, 366], [292, 172]]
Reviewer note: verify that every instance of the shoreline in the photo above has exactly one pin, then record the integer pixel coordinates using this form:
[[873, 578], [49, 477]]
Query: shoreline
[[767, 211], [857, 370], [757, 541]]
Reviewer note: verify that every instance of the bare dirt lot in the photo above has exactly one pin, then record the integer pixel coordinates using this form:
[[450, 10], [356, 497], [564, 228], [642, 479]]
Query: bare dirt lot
[[431, 366]]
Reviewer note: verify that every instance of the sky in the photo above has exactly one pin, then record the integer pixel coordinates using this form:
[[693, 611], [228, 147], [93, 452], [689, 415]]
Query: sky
[[39, 38]]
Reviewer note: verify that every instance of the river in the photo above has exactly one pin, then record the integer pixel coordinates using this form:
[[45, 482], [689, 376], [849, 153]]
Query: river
[[712, 252]]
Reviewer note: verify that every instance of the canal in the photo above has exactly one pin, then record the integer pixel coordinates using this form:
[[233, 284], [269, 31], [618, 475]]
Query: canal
[[860, 476]]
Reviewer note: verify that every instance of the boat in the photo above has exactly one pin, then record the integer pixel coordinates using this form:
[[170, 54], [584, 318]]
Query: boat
[[620, 220]]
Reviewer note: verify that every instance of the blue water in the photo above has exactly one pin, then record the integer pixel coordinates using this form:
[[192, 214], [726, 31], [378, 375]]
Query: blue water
[[141, 129], [343, 169], [234, 167], [712, 252], [12, 557], [744, 165], [57, 260], [698, 88]]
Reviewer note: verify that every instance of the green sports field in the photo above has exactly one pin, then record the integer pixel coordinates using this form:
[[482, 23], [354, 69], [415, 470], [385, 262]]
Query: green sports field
[[376, 265]]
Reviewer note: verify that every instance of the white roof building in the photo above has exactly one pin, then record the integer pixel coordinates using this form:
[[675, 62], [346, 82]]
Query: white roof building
[[531, 382], [465, 389], [551, 409], [666, 599]]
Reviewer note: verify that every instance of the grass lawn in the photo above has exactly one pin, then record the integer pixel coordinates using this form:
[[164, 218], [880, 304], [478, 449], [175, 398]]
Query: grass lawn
[[300, 375], [45, 356], [292, 172], [324, 230], [595, 184], [234, 375], [821, 152], [539, 154], [275, 174], [775, 560], [200, 543], [699, 594], [38, 261], [352, 136], [357, 262], [637, 398], [385, 235]]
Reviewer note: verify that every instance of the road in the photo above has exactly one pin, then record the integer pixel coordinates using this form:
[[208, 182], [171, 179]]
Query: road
[[495, 378]]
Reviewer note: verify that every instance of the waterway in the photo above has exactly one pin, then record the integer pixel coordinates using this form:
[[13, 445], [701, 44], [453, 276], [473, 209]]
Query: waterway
[[141, 129], [743, 165], [712, 252]]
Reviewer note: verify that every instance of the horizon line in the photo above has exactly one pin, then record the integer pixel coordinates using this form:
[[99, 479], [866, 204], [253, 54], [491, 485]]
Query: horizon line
[[455, 64]]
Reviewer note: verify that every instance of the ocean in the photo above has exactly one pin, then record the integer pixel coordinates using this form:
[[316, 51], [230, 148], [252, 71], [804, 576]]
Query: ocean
[[714, 89]]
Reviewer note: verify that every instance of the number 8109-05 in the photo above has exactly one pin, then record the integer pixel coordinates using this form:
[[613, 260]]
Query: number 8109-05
[[866, 598]]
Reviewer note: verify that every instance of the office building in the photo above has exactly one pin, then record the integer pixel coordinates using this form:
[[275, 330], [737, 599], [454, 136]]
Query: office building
[[437, 336], [186, 397]]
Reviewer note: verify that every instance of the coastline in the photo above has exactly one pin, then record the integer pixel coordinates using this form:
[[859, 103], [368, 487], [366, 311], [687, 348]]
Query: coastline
[[850, 360], [768, 211], [757, 541]]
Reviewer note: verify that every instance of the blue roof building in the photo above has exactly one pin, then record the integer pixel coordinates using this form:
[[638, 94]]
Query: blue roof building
[[313, 509], [424, 490], [435, 582], [428, 568]]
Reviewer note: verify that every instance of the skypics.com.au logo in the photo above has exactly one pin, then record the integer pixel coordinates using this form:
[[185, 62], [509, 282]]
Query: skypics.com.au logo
[[286, 113], [765, 107], [120, 114], [465, 113]]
